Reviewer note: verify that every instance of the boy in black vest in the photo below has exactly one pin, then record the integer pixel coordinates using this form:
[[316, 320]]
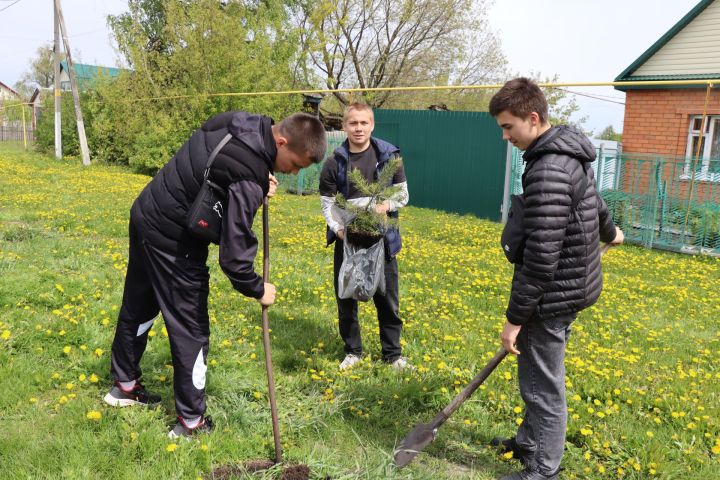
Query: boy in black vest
[[370, 155], [560, 271], [166, 270]]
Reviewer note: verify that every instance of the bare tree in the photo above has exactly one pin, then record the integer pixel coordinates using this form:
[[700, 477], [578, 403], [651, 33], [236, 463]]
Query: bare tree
[[390, 43]]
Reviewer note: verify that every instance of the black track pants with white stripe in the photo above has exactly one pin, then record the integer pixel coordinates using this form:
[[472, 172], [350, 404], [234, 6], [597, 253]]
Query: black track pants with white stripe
[[157, 281]]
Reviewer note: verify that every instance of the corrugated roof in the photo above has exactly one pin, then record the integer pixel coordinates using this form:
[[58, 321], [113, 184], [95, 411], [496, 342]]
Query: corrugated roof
[[88, 73], [627, 74]]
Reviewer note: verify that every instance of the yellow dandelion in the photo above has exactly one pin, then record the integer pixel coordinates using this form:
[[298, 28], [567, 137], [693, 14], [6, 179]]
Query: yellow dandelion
[[67, 349], [171, 448], [94, 378], [94, 415], [5, 334]]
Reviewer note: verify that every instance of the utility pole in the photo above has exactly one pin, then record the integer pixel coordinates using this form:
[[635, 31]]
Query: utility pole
[[56, 89], [74, 87]]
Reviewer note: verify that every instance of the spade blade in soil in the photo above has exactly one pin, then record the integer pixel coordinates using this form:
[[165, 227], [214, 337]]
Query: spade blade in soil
[[413, 443]]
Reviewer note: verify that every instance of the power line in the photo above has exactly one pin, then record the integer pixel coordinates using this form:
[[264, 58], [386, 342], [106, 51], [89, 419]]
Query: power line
[[595, 97], [3, 9]]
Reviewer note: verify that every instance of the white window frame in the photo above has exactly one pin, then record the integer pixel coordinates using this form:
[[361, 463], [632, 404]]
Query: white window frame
[[712, 128]]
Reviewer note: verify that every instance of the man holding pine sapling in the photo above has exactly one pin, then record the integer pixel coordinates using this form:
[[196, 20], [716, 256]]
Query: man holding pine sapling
[[370, 156]]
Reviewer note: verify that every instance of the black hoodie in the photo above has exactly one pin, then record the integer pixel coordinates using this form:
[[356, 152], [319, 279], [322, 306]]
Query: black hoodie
[[561, 272]]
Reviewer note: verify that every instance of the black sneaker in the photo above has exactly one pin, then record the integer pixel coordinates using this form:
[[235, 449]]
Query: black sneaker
[[510, 445], [182, 430], [119, 397], [529, 474]]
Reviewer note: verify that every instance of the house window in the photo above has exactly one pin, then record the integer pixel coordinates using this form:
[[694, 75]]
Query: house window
[[708, 166]]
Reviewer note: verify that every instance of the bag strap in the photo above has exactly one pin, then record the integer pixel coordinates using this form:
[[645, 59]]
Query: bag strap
[[214, 154]]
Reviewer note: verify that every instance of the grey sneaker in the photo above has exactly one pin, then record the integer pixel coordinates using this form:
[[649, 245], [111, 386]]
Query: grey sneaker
[[180, 430], [118, 397], [349, 360]]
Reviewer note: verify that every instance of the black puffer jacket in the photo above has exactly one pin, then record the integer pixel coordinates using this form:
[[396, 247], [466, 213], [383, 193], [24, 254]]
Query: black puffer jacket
[[561, 272], [162, 207]]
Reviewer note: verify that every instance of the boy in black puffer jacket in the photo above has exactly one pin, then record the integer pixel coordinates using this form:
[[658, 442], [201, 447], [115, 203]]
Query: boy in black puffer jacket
[[560, 273], [166, 270]]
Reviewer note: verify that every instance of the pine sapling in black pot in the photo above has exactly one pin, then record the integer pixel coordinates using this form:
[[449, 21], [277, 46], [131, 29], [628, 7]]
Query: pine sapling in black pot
[[367, 226]]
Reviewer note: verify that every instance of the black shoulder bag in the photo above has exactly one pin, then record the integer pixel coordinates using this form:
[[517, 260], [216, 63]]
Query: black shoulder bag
[[204, 218], [513, 237]]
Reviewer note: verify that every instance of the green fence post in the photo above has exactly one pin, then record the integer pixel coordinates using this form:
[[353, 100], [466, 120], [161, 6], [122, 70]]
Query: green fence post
[[505, 207], [300, 181]]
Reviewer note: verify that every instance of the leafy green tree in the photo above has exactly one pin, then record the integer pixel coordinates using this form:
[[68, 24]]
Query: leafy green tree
[[185, 50], [609, 133], [45, 133]]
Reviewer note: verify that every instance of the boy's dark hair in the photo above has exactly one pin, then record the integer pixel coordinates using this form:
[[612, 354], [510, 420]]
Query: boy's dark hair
[[520, 96], [305, 134]]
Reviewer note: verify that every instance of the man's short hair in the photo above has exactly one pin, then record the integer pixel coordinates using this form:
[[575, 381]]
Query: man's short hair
[[520, 96], [305, 135], [358, 106]]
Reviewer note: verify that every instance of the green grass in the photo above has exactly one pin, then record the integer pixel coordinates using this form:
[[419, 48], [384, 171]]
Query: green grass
[[642, 364]]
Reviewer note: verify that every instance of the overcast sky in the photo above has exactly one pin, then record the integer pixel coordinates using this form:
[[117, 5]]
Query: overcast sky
[[580, 40]]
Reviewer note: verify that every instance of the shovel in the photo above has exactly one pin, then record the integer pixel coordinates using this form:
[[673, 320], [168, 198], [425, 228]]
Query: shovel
[[425, 433], [266, 335]]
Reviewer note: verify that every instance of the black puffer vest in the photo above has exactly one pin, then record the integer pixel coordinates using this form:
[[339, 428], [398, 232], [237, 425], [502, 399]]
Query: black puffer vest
[[161, 208]]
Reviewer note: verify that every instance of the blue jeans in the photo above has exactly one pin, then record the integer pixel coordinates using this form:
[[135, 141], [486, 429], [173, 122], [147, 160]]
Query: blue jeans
[[541, 373]]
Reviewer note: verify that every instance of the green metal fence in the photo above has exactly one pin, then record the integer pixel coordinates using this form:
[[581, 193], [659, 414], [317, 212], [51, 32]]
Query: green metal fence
[[658, 201], [307, 181], [454, 161]]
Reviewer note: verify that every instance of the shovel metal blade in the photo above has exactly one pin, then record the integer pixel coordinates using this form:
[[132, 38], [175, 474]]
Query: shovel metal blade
[[413, 443]]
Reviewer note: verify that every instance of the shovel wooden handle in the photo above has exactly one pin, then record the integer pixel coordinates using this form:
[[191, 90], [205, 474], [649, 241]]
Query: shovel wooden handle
[[266, 335], [445, 413]]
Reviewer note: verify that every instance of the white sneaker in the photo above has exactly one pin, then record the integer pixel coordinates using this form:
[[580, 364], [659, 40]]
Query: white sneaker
[[349, 361], [401, 363]]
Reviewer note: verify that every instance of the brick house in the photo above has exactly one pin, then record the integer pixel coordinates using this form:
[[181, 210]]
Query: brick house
[[7, 94], [666, 187], [665, 120]]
